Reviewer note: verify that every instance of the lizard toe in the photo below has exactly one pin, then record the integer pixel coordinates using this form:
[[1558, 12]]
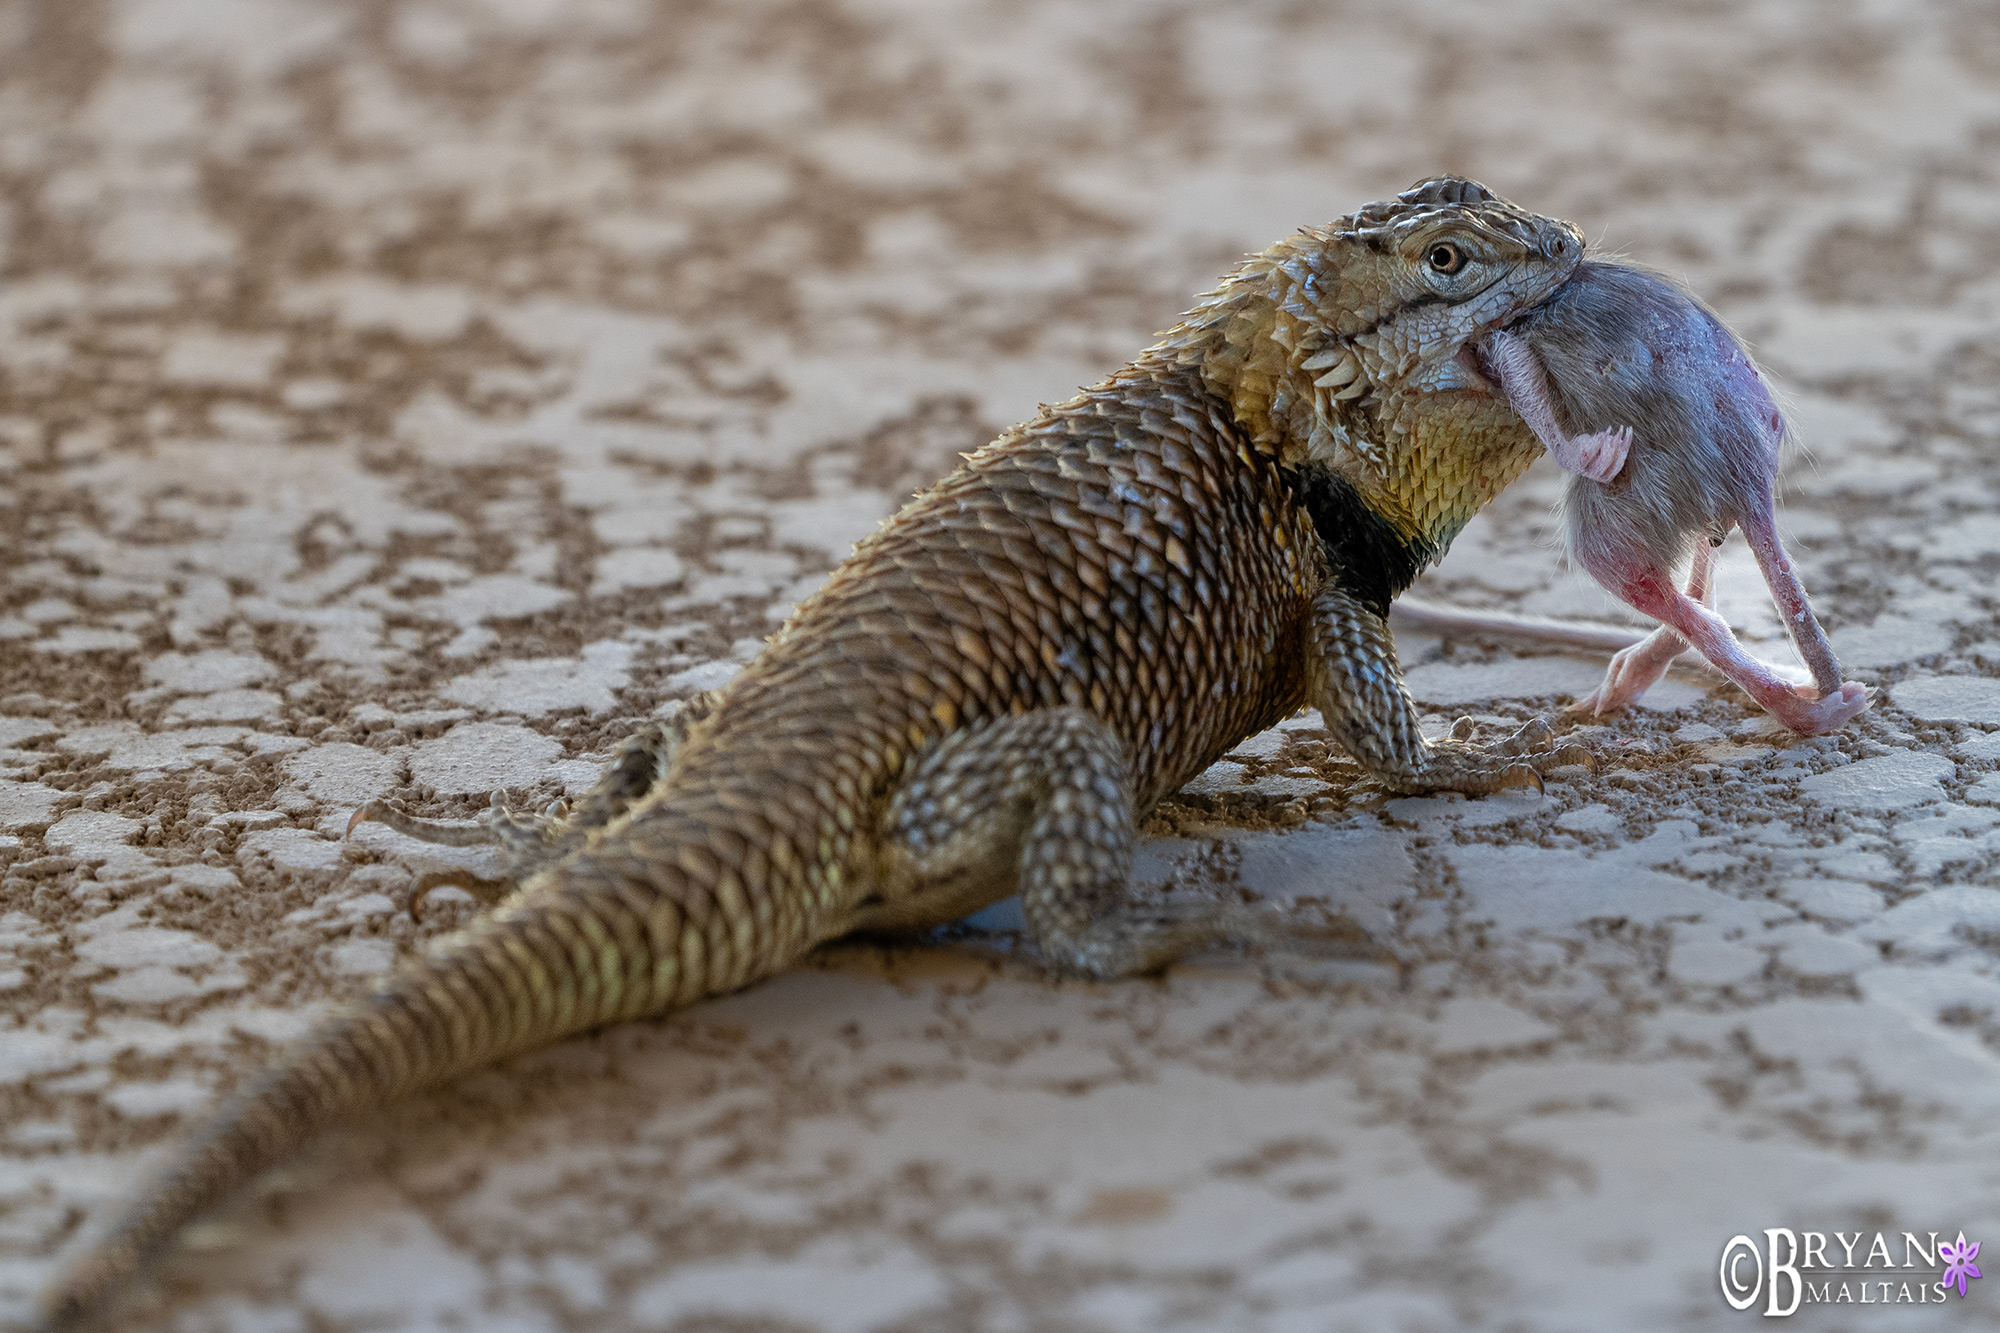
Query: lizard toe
[[1564, 755], [1476, 770], [368, 812], [1533, 737], [485, 891]]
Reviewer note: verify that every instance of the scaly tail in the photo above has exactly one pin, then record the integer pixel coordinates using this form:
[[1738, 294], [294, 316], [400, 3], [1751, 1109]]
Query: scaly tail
[[582, 946]]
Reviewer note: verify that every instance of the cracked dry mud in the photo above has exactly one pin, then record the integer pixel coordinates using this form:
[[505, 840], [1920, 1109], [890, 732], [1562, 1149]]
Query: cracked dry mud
[[416, 396]]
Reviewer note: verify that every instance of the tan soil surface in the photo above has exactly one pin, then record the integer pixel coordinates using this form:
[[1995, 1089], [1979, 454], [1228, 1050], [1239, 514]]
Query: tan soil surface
[[414, 397]]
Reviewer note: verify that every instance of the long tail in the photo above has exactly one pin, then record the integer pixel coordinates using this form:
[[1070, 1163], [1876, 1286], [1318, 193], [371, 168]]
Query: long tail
[[580, 947], [1437, 618]]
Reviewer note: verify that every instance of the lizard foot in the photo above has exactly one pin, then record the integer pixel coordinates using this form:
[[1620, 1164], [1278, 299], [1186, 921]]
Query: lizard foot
[[1144, 938], [1297, 929], [531, 840], [526, 842], [443, 832], [517, 834], [1462, 764]]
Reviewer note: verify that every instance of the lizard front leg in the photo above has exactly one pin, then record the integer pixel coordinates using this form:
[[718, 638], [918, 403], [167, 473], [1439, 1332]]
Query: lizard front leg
[[1041, 803], [1356, 684]]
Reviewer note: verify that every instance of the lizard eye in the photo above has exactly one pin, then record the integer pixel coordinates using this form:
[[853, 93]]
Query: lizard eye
[[1445, 258]]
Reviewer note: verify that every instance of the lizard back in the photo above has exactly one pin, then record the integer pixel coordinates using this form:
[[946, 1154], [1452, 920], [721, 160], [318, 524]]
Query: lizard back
[[1126, 552]]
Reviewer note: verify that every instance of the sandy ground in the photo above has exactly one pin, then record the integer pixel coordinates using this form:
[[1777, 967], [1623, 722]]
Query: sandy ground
[[416, 396]]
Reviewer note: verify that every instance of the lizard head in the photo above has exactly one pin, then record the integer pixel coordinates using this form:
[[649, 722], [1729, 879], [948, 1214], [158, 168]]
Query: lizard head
[[1427, 274], [1352, 347]]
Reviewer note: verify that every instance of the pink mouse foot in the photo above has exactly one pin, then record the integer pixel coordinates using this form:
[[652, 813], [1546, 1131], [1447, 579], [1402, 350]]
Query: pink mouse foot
[[1810, 716], [1632, 672], [1602, 456]]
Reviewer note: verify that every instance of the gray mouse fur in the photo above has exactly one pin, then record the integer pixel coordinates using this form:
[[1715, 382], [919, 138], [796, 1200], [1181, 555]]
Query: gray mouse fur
[[1622, 345], [1672, 438]]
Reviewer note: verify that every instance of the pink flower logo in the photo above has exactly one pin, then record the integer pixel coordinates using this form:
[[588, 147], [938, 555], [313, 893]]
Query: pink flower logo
[[1958, 1260]]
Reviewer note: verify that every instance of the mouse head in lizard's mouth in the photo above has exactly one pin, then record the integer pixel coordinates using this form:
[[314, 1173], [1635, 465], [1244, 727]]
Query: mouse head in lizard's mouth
[[1404, 406], [1478, 367], [1470, 368]]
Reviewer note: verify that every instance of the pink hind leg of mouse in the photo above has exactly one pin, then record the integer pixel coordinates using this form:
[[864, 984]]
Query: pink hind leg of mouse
[[1761, 530], [1649, 590], [1637, 669]]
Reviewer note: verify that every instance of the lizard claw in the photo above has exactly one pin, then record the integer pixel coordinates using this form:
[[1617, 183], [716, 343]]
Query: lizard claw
[[1538, 739], [485, 891], [1534, 736], [366, 812], [383, 811]]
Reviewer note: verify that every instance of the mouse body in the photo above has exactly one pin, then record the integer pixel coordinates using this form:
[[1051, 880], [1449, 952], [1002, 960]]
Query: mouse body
[[1671, 438]]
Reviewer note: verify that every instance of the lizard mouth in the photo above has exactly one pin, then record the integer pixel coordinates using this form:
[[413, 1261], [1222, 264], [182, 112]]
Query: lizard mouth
[[1479, 365], [1479, 370]]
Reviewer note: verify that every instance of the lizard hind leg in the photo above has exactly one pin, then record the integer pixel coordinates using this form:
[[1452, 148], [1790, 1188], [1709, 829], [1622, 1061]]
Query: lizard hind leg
[[1041, 804], [517, 835]]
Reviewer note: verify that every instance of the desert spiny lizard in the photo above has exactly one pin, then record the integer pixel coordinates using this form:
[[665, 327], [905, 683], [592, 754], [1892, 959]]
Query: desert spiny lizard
[[996, 687]]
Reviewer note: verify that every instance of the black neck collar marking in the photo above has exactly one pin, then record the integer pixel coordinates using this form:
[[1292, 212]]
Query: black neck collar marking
[[1371, 560]]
